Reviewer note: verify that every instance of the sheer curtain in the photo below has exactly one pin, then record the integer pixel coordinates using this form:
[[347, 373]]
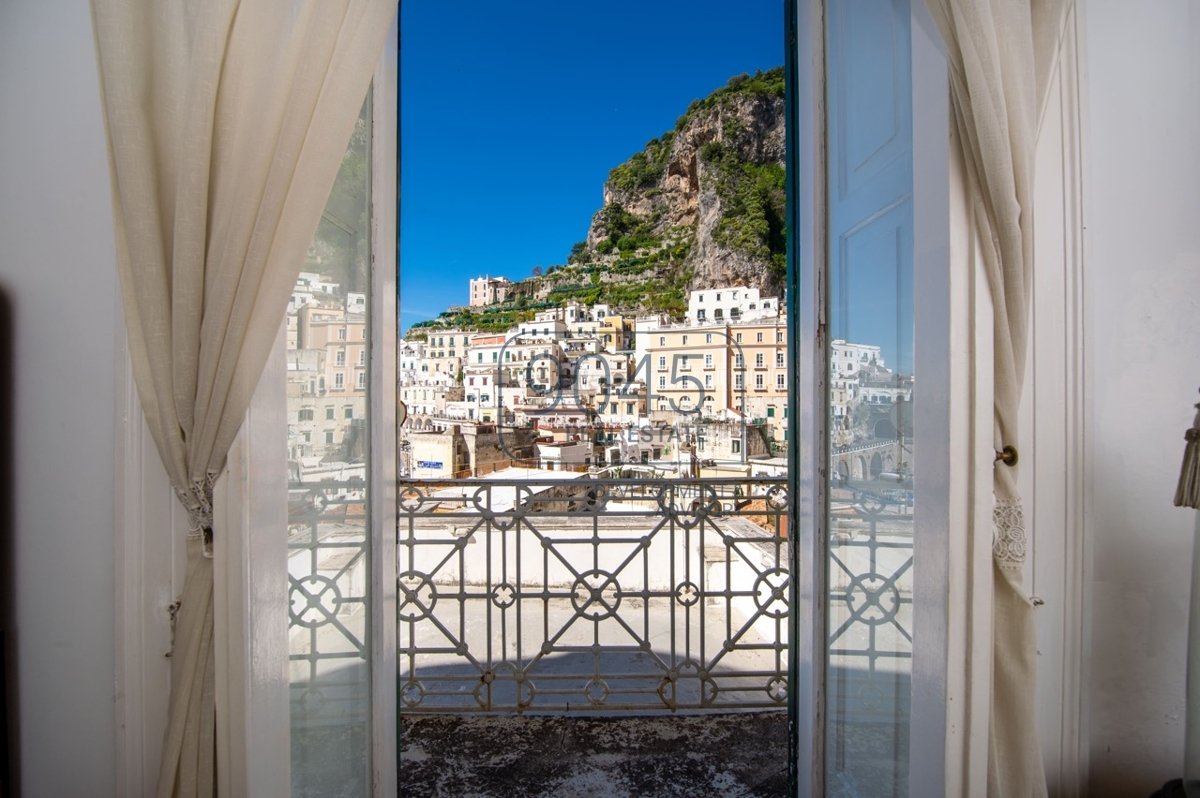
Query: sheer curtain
[[226, 125], [1000, 52]]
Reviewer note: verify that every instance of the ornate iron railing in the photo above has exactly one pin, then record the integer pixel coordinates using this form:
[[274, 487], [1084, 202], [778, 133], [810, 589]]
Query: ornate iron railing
[[572, 593], [328, 581], [593, 595], [870, 634]]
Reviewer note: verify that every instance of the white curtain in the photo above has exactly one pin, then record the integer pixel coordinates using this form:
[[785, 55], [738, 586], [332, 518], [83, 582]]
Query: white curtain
[[1000, 53], [226, 124]]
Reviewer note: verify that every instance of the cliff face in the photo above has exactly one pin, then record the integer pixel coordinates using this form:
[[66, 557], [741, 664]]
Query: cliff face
[[701, 206], [714, 185]]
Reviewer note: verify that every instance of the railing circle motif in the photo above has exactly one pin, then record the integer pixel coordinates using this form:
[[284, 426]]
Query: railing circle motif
[[418, 596], [409, 499], [687, 594], [596, 595], [314, 601], [777, 498], [412, 693], [504, 595], [596, 691], [872, 599], [771, 592]]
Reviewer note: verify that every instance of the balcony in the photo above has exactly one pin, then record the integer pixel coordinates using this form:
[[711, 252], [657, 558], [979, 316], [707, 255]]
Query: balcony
[[623, 636]]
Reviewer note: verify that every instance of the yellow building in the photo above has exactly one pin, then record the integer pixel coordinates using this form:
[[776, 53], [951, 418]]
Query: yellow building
[[696, 372], [616, 333]]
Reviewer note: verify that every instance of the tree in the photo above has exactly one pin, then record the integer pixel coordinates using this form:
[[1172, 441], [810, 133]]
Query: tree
[[537, 271]]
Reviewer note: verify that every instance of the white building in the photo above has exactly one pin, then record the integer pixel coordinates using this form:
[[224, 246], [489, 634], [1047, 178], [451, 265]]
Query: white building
[[311, 287], [564, 455], [846, 359], [549, 328], [729, 304]]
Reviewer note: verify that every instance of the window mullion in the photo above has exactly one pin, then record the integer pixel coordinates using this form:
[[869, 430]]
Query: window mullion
[[382, 381], [807, 433]]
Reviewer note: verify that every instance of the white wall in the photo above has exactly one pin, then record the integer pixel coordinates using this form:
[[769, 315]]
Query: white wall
[[57, 270], [1141, 298]]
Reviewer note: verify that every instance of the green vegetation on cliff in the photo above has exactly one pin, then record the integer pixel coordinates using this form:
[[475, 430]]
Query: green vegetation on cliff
[[754, 206], [625, 231], [760, 84], [645, 168]]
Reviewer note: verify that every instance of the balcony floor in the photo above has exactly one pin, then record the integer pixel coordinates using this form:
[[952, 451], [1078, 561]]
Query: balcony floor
[[735, 754]]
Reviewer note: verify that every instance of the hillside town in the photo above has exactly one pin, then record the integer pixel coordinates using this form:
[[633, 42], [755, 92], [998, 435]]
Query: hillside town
[[579, 388]]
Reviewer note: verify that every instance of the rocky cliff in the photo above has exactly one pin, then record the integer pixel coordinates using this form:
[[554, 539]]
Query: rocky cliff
[[701, 206], [714, 185]]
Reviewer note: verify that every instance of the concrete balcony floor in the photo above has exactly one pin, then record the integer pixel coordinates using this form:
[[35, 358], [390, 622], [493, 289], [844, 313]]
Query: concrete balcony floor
[[733, 754]]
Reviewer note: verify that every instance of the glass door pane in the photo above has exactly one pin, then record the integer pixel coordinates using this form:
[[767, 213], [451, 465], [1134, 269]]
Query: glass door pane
[[870, 314], [328, 520]]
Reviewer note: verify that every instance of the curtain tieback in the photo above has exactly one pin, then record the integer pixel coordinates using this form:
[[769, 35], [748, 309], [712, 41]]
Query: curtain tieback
[[198, 500], [1007, 455]]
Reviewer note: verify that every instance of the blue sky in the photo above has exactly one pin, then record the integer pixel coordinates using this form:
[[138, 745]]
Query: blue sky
[[513, 113]]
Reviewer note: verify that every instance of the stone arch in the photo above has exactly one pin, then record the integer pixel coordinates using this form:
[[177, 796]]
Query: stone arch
[[876, 465], [860, 467]]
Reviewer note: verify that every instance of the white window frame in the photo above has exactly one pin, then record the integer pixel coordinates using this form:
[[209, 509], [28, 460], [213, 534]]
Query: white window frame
[[948, 755]]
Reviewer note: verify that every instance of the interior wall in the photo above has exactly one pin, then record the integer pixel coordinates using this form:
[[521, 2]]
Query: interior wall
[[1140, 91], [58, 276]]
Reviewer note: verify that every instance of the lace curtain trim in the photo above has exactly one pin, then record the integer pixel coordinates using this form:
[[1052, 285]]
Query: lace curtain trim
[[1008, 535], [197, 499]]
